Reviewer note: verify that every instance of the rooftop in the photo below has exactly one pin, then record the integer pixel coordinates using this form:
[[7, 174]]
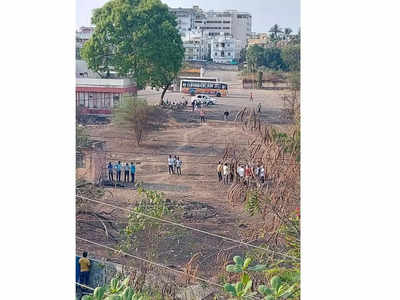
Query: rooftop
[[104, 82]]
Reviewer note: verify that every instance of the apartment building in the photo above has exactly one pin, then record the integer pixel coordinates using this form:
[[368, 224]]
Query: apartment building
[[225, 49], [213, 23], [219, 35], [196, 46], [186, 17], [82, 36]]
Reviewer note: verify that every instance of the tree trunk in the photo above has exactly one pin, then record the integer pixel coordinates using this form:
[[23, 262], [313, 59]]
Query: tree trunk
[[163, 93]]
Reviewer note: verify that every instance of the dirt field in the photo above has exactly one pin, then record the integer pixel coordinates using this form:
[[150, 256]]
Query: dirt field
[[199, 146]]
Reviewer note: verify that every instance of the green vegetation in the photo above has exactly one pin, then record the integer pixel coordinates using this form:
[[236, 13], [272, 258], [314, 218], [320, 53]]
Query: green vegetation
[[278, 289], [136, 39], [242, 288], [82, 139], [152, 204], [278, 34], [252, 205], [284, 59], [282, 52], [282, 286], [118, 290], [291, 57]]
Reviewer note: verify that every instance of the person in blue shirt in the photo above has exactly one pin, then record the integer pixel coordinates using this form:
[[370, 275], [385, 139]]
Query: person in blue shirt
[[133, 171], [110, 172], [126, 172], [118, 167]]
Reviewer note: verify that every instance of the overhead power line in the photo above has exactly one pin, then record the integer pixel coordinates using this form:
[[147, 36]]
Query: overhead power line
[[157, 140], [149, 261], [190, 228]]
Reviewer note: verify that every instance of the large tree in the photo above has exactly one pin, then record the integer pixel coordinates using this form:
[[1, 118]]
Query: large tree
[[291, 57], [254, 57], [137, 39], [276, 32], [272, 59], [287, 32]]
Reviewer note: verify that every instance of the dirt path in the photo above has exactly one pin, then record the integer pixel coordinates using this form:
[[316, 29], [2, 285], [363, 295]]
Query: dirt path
[[199, 146]]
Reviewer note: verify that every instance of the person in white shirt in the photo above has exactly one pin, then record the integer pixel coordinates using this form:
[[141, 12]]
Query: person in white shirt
[[178, 166], [262, 174], [170, 165], [174, 163], [257, 171], [240, 171], [226, 173]]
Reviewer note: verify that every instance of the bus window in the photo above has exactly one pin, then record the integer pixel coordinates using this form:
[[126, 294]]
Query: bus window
[[217, 86], [224, 86]]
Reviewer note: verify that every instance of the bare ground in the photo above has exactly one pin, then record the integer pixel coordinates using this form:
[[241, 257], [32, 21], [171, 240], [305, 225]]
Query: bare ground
[[200, 146]]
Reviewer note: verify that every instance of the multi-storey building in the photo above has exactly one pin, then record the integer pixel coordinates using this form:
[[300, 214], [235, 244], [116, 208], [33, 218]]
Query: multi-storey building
[[219, 35], [196, 46], [260, 39], [213, 23], [185, 18], [225, 49], [82, 36]]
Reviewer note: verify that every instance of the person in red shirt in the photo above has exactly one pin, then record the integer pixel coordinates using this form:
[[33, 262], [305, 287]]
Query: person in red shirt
[[202, 116], [247, 173]]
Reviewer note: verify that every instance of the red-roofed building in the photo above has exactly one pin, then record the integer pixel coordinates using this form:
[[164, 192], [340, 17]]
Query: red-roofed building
[[97, 96]]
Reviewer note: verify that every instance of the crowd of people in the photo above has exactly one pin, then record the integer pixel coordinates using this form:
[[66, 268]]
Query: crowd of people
[[197, 104], [244, 173], [117, 168], [174, 165], [175, 103]]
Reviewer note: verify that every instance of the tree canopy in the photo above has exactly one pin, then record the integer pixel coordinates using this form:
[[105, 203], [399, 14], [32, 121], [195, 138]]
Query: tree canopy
[[136, 39], [270, 58], [291, 57], [254, 57], [282, 53]]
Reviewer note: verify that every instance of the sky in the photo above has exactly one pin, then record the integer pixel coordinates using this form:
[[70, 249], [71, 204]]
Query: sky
[[265, 13]]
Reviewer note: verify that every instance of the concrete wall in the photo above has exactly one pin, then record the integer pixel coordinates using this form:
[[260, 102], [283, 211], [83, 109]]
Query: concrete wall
[[213, 66], [82, 67], [94, 168]]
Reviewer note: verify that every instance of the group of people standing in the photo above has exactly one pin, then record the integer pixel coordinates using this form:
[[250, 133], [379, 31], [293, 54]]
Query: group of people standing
[[174, 165], [118, 168], [196, 104], [245, 173]]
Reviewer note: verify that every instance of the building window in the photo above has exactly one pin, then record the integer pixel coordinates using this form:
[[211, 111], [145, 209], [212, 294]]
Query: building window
[[80, 161], [115, 100], [222, 54], [81, 97]]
